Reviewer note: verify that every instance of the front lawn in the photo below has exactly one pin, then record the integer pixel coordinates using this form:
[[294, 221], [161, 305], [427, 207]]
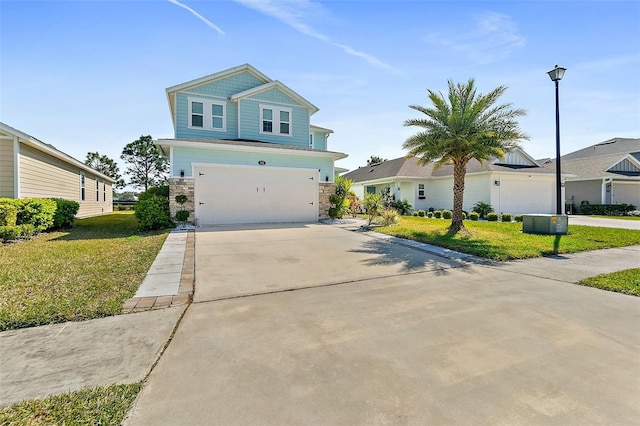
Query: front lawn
[[94, 406], [627, 281], [505, 241], [78, 274]]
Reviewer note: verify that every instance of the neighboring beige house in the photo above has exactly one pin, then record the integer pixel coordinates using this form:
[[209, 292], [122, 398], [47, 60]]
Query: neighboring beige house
[[30, 168], [605, 173], [514, 184]]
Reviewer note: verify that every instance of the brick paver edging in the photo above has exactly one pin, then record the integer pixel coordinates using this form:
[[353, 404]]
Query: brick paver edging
[[185, 290]]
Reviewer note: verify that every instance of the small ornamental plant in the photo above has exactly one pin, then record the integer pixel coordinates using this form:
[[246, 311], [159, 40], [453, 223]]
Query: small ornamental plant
[[437, 214], [447, 214], [421, 213], [474, 216], [182, 215], [492, 217], [505, 217]]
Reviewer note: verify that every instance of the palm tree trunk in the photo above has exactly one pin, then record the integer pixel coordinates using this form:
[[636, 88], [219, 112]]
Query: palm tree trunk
[[459, 172]]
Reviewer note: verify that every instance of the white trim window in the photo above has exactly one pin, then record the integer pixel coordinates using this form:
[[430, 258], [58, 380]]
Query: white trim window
[[275, 120], [82, 187], [207, 114], [421, 195], [97, 191]]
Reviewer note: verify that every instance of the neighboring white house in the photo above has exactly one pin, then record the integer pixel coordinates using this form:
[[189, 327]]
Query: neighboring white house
[[515, 184], [605, 173], [245, 151], [30, 168]]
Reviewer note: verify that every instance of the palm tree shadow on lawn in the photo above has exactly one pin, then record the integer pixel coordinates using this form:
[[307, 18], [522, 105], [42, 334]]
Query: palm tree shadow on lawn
[[412, 260]]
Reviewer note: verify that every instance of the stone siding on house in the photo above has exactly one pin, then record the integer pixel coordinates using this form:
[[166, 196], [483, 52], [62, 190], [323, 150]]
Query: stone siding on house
[[325, 190], [182, 186]]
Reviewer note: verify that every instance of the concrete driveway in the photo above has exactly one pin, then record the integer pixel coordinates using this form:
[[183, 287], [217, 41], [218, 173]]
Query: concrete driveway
[[311, 324], [604, 222]]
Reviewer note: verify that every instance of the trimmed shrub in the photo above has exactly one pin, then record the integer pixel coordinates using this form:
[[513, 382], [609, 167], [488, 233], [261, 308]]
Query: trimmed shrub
[[421, 213], [447, 214], [181, 199], [36, 211], [8, 214], [429, 215], [27, 230], [437, 214], [10, 232], [606, 209], [518, 218], [505, 217], [492, 217], [65, 213], [415, 213], [153, 213], [182, 215], [474, 216]]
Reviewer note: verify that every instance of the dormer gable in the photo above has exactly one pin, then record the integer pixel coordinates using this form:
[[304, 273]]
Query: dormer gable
[[274, 87], [629, 165], [516, 158]]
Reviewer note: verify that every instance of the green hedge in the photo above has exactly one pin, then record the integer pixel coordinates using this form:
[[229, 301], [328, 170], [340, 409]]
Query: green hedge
[[153, 213], [65, 213], [606, 209], [8, 214], [38, 212], [506, 217]]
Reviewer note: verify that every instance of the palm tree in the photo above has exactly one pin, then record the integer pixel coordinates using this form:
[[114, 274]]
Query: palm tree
[[462, 127]]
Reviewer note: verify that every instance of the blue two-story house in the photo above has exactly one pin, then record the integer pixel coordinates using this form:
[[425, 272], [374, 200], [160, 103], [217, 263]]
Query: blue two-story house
[[245, 151]]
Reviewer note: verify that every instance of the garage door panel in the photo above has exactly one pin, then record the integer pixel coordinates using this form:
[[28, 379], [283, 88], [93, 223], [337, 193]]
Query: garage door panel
[[229, 195]]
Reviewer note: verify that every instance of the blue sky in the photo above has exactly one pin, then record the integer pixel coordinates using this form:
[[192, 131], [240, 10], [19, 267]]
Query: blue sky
[[90, 75]]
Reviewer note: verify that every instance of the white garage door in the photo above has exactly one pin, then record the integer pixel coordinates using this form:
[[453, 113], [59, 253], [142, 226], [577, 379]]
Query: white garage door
[[240, 194]]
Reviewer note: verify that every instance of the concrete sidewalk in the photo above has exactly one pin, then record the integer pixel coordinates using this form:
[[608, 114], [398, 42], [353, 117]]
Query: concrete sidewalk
[[41, 361]]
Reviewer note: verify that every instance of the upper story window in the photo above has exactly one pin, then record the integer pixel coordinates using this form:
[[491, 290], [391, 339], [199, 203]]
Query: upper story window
[[275, 120], [207, 114]]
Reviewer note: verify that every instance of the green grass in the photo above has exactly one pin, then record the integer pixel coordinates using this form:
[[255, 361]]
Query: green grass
[[618, 217], [627, 281], [505, 241], [94, 406], [78, 274]]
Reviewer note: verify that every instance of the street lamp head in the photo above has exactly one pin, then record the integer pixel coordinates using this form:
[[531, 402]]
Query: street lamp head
[[557, 73]]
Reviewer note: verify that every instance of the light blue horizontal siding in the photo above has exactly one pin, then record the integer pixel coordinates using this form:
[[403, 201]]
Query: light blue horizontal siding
[[319, 141], [182, 120], [229, 86], [250, 124], [275, 96], [184, 157]]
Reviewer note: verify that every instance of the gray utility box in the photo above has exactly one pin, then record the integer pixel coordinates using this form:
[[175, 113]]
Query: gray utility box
[[547, 224]]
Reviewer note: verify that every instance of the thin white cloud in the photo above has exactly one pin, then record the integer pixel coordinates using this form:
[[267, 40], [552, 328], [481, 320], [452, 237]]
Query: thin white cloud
[[494, 37], [197, 15], [608, 64], [293, 13]]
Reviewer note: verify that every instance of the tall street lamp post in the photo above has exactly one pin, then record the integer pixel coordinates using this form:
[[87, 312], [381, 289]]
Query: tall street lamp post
[[556, 75]]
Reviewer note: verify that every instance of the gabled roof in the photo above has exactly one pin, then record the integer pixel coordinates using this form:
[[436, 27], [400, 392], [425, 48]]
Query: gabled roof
[[611, 146], [277, 85], [218, 75], [614, 158], [50, 149], [408, 167]]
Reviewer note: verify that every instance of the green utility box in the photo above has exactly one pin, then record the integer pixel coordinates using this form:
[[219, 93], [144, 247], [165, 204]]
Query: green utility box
[[546, 224]]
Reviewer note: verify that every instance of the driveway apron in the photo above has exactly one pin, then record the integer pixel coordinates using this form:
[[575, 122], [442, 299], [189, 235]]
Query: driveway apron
[[239, 261], [344, 329]]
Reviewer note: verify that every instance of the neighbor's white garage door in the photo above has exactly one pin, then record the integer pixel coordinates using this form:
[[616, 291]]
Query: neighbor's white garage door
[[244, 194]]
